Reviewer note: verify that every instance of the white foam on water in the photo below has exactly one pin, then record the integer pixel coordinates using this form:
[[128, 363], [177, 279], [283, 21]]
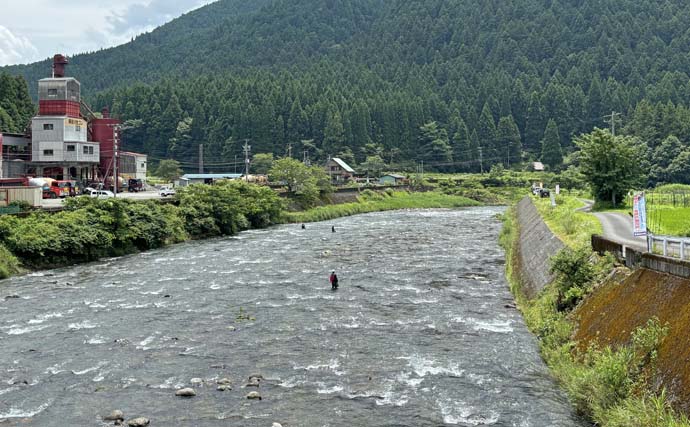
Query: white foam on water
[[328, 390], [389, 398], [55, 369], [16, 330], [493, 326], [43, 317], [423, 367], [91, 369], [144, 344], [95, 340], [21, 413], [332, 366], [423, 301], [461, 413], [82, 325], [215, 287], [136, 305], [404, 378], [151, 292]]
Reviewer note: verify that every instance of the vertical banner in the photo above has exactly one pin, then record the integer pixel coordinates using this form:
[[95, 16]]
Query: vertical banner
[[558, 189], [639, 215]]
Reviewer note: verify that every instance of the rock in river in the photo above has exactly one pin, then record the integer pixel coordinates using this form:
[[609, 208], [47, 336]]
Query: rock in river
[[138, 422], [254, 395], [185, 392], [116, 415]]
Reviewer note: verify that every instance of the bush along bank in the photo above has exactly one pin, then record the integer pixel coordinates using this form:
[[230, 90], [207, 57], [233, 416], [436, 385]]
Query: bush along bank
[[90, 229], [610, 386], [371, 201]]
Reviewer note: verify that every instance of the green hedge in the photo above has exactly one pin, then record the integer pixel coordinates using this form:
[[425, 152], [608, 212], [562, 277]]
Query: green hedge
[[89, 229]]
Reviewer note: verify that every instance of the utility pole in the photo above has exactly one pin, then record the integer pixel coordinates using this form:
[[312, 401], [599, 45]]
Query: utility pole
[[305, 157], [422, 170], [330, 170], [481, 160], [247, 149], [201, 158], [289, 150], [235, 163], [611, 120]]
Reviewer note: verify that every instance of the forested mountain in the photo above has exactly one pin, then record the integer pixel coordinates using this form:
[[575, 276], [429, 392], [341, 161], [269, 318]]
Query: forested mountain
[[438, 81], [16, 108]]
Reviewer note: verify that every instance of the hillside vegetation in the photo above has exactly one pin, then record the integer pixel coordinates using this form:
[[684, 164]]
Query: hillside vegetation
[[446, 82]]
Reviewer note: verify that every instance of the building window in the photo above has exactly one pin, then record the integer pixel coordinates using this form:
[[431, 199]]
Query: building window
[[71, 148], [77, 128], [88, 149], [143, 165], [47, 126], [52, 93], [47, 152]]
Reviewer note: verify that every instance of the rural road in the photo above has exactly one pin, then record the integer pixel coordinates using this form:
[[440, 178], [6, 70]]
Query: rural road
[[618, 227]]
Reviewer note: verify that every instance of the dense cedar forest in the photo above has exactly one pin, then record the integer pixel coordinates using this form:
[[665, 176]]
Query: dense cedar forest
[[444, 82], [16, 107]]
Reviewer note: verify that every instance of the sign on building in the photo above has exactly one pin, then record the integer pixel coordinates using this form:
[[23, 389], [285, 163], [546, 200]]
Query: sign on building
[[639, 215]]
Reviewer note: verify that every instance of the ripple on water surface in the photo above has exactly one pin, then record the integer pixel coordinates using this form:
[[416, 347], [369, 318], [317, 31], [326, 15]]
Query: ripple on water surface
[[416, 335]]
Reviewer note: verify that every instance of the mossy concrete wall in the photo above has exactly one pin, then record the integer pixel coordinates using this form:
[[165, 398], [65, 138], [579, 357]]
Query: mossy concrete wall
[[615, 309], [536, 243]]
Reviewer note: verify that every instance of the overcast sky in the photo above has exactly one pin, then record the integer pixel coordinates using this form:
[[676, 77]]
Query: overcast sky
[[31, 30]]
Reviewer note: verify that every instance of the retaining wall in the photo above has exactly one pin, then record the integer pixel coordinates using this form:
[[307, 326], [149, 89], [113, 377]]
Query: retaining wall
[[536, 243]]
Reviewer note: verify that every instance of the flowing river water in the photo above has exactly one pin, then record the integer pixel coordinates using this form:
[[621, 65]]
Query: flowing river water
[[420, 332]]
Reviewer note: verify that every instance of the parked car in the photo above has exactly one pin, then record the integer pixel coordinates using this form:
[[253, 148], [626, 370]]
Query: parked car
[[102, 194], [166, 191]]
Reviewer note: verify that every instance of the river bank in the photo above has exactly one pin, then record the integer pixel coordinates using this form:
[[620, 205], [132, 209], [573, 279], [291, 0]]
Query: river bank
[[611, 383], [89, 230]]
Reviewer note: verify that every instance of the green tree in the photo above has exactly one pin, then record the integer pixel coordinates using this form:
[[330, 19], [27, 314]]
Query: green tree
[[298, 178], [610, 164], [509, 143], [551, 153], [169, 170], [434, 145], [486, 131], [373, 165], [262, 163]]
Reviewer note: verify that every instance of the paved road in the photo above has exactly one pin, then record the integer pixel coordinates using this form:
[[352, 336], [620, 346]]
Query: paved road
[[618, 227]]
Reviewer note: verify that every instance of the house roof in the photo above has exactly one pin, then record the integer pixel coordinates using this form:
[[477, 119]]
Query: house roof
[[392, 175], [538, 166], [343, 165], [212, 176]]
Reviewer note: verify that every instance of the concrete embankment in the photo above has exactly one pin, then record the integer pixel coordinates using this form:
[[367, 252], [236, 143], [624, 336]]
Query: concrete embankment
[[536, 243], [614, 310]]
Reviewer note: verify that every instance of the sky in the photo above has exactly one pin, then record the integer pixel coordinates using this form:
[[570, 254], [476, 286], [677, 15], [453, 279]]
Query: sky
[[32, 30]]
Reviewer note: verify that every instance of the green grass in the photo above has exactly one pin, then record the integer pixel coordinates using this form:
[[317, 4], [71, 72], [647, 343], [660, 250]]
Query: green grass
[[609, 387], [374, 202], [668, 220], [573, 228]]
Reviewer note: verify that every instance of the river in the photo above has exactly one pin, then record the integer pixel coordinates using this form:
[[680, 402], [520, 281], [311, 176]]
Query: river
[[420, 332]]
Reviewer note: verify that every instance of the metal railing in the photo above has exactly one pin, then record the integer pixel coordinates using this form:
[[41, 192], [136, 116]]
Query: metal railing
[[669, 246]]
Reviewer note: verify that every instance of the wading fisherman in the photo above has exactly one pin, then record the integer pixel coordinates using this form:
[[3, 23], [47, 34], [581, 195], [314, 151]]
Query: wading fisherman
[[303, 227], [332, 228], [334, 281]]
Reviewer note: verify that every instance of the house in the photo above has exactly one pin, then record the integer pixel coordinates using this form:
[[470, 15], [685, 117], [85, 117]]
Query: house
[[206, 178], [339, 171], [538, 166], [392, 179]]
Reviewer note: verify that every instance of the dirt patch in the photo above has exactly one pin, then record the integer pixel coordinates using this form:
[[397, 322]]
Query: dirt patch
[[614, 310]]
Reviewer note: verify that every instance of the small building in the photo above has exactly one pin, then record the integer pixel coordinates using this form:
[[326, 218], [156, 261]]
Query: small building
[[392, 179], [15, 154], [339, 171], [206, 178], [538, 166], [132, 165]]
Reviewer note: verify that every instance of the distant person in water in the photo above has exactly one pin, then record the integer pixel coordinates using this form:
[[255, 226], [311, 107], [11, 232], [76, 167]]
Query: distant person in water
[[333, 228], [334, 281], [303, 227]]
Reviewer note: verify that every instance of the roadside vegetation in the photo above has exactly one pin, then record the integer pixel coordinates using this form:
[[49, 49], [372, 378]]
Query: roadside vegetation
[[608, 386], [574, 228], [371, 201], [90, 229]]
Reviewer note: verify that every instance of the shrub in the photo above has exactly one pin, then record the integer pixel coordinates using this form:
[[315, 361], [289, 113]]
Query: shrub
[[574, 274]]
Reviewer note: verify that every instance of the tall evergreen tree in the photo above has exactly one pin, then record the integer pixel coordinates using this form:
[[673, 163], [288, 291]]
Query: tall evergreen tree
[[551, 153], [509, 142], [486, 132]]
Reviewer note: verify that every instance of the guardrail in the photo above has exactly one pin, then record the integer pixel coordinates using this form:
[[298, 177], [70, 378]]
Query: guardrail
[[669, 246]]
